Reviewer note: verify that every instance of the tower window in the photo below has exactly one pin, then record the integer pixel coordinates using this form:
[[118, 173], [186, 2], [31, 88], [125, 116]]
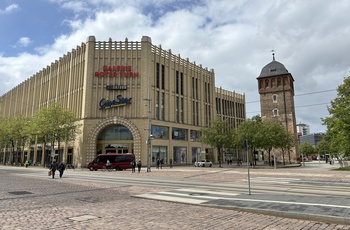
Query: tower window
[[275, 112], [274, 98]]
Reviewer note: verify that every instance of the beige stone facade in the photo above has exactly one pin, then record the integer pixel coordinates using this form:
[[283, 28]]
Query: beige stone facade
[[128, 89]]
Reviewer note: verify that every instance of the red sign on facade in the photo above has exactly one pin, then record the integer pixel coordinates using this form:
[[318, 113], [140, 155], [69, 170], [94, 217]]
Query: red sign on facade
[[116, 71]]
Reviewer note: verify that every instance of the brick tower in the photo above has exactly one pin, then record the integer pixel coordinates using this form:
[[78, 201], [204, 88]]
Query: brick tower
[[276, 89]]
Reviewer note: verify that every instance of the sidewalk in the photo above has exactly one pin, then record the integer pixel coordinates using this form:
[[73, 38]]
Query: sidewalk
[[329, 209], [322, 208]]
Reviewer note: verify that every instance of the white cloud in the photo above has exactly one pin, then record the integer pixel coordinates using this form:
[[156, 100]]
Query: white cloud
[[24, 41], [76, 6], [9, 9], [233, 37]]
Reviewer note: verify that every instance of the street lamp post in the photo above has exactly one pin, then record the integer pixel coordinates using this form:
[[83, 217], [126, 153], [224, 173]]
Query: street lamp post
[[246, 146], [149, 136]]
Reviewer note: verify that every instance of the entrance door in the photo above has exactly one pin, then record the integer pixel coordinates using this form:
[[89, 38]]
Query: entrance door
[[115, 139]]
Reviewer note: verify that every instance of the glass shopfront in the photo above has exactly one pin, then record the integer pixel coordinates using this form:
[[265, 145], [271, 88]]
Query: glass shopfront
[[180, 155], [115, 139], [159, 152]]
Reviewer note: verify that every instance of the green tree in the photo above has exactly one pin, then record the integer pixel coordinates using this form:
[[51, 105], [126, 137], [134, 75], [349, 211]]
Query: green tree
[[338, 123], [271, 135], [250, 130], [23, 136], [286, 141], [322, 147], [217, 135], [306, 149], [4, 140], [13, 134], [55, 124]]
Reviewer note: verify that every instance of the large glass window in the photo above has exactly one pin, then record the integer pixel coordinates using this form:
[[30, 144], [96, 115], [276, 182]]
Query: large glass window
[[182, 118], [161, 132], [196, 154], [115, 132], [157, 75], [180, 155], [177, 82], [159, 152], [70, 156], [181, 83], [163, 77], [162, 107], [179, 134], [39, 154], [157, 105], [177, 115], [195, 135]]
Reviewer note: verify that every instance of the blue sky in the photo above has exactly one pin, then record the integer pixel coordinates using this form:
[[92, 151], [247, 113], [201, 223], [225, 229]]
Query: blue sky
[[27, 27], [234, 37]]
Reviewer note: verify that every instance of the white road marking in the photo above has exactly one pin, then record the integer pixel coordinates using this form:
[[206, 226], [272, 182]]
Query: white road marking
[[205, 196]]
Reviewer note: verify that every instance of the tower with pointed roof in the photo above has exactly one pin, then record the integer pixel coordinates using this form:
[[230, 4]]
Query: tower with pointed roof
[[276, 89]]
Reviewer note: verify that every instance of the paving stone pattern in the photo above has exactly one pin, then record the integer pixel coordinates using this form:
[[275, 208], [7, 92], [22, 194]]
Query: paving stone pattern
[[65, 204]]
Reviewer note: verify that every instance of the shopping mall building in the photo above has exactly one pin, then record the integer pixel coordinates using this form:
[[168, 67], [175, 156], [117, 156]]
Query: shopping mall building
[[130, 97]]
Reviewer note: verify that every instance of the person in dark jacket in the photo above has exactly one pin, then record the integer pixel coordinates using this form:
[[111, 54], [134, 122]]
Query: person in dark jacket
[[61, 169], [161, 163], [53, 167], [133, 166], [158, 163], [139, 166]]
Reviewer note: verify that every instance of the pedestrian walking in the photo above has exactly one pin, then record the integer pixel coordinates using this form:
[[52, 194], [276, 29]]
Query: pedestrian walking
[[61, 169], [158, 163], [139, 166], [171, 163], [161, 163], [108, 165], [133, 165], [26, 163], [53, 168], [272, 161]]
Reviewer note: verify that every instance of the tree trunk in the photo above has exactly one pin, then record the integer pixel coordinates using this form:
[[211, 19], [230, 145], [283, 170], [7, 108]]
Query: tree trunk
[[219, 156]]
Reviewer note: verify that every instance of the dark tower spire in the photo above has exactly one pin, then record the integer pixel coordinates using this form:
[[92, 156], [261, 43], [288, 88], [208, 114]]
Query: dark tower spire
[[273, 55]]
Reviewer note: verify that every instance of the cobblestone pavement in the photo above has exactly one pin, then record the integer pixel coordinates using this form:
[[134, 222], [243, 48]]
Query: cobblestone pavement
[[45, 203]]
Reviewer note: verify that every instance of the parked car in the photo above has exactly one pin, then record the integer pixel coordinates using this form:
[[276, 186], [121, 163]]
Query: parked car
[[203, 163]]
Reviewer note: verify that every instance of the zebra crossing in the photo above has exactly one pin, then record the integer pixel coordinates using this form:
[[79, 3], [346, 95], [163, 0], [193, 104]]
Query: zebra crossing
[[188, 196], [335, 210]]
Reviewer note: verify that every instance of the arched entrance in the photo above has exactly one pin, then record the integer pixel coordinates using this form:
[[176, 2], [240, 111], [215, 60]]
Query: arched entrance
[[115, 138], [102, 127]]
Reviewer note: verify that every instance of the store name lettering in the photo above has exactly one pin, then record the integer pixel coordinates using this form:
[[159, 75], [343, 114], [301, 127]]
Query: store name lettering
[[116, 71], [116, 87], [106, 103]]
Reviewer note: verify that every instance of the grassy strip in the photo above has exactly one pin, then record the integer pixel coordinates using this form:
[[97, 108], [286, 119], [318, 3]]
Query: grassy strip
[[343, 169]]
